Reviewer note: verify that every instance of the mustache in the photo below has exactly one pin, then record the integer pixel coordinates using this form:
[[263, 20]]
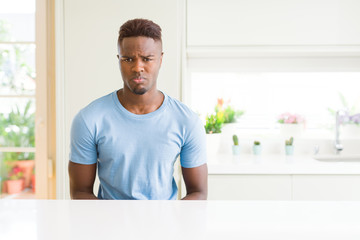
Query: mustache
[[138, 77]]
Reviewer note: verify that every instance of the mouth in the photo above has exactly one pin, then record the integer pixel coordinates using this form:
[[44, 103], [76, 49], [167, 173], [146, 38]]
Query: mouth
[[138, 79]]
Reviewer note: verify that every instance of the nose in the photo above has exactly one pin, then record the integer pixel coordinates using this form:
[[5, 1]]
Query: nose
[[138, 66]]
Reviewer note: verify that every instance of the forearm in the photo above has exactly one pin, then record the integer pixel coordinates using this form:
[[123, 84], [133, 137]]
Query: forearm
[[83, 195], [195, 196]]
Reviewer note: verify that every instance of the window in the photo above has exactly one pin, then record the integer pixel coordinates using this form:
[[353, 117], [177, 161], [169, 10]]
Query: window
[[17, 93], [265, 95], [267, 86]]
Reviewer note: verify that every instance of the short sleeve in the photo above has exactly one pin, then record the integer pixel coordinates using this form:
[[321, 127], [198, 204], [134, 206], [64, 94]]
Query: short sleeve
[[193, 152], [82, 142]]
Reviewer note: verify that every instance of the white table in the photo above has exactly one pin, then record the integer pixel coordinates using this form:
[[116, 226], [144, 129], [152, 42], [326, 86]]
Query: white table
[[66, 219]]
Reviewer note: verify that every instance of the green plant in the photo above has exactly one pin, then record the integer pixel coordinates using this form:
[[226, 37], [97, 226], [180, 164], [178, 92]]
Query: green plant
[[230, 114], [289, 142], [17, 129], [214, 123], [256, 143], [235, 140]]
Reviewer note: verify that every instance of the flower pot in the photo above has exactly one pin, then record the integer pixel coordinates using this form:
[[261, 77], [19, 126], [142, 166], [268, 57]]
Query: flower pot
[[289, 150], [14, 186], [236, 149], [4, 189], [26, 167], [257, 149]]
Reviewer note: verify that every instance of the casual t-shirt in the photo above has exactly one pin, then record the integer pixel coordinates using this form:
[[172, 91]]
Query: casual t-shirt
[[136, 153]]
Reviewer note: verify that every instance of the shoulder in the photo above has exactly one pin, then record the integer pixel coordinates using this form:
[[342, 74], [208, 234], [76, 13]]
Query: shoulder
[[181, 110], [98, 107], [93, 114]]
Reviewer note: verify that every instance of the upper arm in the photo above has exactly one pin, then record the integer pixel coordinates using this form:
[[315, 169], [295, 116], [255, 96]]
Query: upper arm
[[196, 179], [83, 149], [193, 151], [82, 178]]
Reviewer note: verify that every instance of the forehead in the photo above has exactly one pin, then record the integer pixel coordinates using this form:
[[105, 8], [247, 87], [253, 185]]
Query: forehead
[[132, 45]]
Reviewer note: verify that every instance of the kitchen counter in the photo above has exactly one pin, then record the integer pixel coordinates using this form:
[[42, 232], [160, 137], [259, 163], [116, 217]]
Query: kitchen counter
[[277, 164], [100, 219]]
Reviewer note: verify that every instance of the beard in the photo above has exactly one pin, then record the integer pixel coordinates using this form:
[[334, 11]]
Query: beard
[[139, 91]]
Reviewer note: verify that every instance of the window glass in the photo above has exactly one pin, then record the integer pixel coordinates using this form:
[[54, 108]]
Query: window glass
[[264, 96], [19, 27], [17, 69], [17, 122], [17, 20]]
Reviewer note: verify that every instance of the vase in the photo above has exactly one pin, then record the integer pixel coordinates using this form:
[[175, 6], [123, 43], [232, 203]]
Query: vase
[[236, 149], [26, 167], [288, 130], [14, 186], [257, 149], [289, 150], [4, 189]]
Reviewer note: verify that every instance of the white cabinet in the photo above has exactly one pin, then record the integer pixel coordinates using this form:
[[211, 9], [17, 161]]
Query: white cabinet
[[249, 187], [284, 187], [326, 187], [273, 23]]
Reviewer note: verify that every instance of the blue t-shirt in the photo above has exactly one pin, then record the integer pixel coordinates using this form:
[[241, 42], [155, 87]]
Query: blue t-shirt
[[136, 153]]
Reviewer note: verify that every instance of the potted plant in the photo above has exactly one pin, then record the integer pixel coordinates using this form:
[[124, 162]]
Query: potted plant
[[235, 147], [213, 126], [289, 148], [214, 123], [18, 130], [291, 124], [15, 181], [257, 148]]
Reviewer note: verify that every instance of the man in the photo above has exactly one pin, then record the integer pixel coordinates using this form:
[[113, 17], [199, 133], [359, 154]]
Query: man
[[134, 135]]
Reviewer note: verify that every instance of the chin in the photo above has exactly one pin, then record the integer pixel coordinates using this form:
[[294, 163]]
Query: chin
[[141, 91]]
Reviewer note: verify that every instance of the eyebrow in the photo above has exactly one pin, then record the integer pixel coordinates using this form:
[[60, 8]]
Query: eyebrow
[[124, 56]]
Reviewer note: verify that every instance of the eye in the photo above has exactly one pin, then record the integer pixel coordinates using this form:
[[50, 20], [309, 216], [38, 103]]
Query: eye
[[147, 59], [127, 59]]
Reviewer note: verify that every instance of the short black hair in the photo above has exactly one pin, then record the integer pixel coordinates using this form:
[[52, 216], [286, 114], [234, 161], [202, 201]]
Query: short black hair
[[140, 27]]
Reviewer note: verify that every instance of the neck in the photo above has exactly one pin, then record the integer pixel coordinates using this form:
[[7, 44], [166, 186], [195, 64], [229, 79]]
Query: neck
[[140, 104]]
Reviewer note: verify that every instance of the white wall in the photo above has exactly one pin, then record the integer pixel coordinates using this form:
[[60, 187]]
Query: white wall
[[87, 66]]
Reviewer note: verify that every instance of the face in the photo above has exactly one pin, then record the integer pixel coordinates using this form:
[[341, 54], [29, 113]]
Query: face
[[140, 60]]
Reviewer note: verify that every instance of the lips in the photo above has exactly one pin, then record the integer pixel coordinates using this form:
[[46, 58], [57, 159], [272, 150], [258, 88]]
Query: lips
[[138, 80]]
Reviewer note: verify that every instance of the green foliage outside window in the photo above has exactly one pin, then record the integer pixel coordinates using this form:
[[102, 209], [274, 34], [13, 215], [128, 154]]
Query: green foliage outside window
[[17, 128]]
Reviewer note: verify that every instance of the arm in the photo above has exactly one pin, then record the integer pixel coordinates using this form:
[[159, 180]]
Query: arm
[[82, 179], [196, 182]]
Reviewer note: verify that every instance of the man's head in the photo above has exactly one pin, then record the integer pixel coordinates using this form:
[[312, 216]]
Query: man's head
[[140, 55]]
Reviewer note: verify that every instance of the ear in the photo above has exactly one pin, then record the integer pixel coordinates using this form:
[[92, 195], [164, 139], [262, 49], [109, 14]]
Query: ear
[[161, 57]]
